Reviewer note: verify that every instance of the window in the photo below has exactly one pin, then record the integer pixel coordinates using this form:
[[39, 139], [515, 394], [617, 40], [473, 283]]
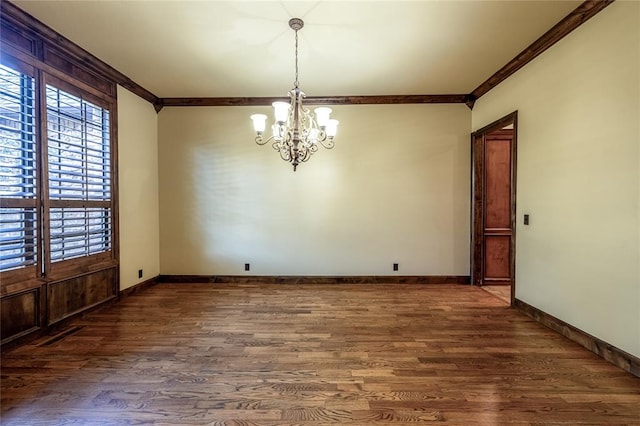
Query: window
[[18, 159], [79, 170], [55, 183], [58, 186]]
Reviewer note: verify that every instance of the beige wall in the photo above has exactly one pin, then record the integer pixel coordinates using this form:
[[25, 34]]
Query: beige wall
[[394, 189], [578, 175], [138, 181]]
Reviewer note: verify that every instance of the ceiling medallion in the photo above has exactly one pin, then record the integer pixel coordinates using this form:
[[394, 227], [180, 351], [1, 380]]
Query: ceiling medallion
[[296, 133]]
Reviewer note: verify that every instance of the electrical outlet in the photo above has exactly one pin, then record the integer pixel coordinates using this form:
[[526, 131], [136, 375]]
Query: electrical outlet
[[247, 267], [395, 266], [139, 273]]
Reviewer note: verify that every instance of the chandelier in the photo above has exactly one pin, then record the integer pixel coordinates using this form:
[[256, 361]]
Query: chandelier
[[296, 133]]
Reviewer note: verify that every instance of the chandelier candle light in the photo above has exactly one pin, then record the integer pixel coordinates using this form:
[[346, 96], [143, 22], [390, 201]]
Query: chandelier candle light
[[296, 133]]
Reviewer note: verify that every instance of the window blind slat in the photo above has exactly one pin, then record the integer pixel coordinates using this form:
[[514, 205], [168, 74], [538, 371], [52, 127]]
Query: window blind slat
[[79, 232], [71, 159], [18, 237], [18, 226], [7, 230], [78, 148], [12, 150], [70, 142]]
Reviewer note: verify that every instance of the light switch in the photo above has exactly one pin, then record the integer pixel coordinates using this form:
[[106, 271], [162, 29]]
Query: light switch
[[526, 219]]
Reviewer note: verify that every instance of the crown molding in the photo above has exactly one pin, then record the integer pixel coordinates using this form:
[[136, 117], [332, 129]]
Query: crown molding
[[17, 17], [573, 20], [313, 100]]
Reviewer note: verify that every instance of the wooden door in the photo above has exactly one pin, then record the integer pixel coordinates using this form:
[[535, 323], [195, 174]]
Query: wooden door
[[493, 203], [497, 227]]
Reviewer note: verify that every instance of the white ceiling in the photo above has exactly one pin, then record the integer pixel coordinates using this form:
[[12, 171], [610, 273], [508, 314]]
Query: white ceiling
[[245, 48]]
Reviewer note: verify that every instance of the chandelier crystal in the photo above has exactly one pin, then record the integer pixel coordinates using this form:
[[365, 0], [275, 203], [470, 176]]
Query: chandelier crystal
[[296, 133]]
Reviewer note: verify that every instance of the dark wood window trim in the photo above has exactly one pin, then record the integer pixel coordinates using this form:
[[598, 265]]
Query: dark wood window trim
[[79, 283], [86, 263], [29, 276]]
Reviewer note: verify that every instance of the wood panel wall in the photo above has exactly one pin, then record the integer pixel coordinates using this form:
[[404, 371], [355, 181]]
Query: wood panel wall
[[69, 297], [20, 314]]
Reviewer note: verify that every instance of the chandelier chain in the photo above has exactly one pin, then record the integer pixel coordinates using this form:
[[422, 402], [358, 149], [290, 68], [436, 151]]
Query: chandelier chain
[[296, 83]]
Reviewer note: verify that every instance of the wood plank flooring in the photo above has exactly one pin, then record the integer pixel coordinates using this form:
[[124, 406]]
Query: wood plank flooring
[[502, 292], [257, 354]]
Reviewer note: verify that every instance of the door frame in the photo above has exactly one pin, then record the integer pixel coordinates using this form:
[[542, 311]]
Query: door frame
[[478, 199]]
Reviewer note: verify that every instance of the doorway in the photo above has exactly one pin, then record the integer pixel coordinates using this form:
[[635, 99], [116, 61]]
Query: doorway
[[493, 206]]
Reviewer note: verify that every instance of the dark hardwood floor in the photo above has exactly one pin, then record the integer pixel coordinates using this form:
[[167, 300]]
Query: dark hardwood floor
[[255, 354]]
